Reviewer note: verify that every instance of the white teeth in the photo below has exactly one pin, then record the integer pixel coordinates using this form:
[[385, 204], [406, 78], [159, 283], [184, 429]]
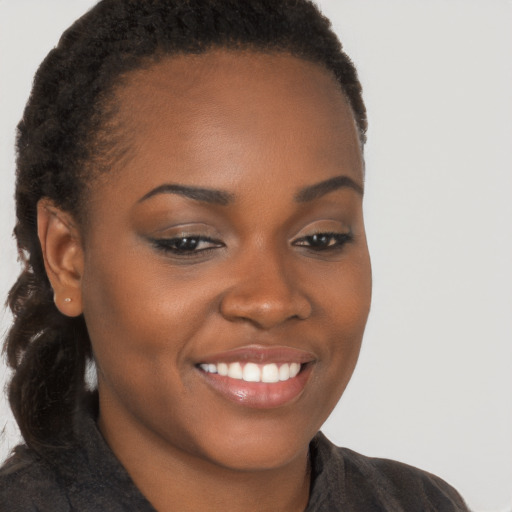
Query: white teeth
[[270, 373], [294, 370], [222, 369], [235, 371], [284, 372], [252, 372]]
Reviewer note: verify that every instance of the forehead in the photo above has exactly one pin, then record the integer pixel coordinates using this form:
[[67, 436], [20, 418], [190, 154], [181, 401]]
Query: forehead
[[216, 118]]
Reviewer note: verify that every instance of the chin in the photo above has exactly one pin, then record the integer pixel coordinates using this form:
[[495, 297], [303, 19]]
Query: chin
[[259, 444], [260, 454]]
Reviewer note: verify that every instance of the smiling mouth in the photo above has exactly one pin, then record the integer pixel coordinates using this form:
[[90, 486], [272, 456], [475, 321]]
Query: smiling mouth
[[258, 377], [252, 372]]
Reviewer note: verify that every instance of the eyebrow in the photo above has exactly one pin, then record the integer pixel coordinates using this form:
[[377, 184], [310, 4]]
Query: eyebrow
[[324, 187], [223, 198], [206, 195]]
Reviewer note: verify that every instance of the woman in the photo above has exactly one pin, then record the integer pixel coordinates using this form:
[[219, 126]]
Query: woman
[[189, 204]]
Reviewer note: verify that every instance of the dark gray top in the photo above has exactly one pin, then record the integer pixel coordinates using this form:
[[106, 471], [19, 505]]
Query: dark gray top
[[89, 478]]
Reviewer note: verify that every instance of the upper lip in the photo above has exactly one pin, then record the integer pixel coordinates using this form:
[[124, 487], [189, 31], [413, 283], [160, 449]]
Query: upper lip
[[261, 355]]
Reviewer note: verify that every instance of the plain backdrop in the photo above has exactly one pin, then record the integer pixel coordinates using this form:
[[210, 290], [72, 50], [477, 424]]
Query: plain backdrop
[[433, 386]]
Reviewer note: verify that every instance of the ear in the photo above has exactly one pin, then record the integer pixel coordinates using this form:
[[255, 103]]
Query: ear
[[63, 256]]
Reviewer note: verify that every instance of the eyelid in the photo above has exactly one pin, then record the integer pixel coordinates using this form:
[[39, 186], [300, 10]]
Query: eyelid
[[345, 236], [167, 245], [183, 230], [322, 226], [324, 236], [190, 236], [323, 232]]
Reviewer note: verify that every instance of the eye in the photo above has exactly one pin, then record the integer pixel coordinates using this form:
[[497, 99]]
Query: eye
[[324, 241], [187, 245]]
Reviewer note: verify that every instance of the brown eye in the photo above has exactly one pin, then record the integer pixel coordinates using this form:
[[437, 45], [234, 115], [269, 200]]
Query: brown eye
[[324, 241], [186, 245], [320, 241]]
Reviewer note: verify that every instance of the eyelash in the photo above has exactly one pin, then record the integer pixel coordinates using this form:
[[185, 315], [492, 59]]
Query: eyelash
[[169, 245], [339, 239], [336, 241]]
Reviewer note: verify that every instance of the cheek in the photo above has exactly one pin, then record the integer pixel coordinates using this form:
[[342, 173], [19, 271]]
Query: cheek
[[135, 311], [344, 296], [346, 304], [141, 321]]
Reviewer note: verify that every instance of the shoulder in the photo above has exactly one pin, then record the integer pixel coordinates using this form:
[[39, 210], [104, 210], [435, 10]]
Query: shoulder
[[28, 484], [369, 483], [410, 486], [81, 475]]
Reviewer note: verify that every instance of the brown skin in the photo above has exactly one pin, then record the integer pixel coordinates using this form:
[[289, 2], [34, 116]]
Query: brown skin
[[260, 127]]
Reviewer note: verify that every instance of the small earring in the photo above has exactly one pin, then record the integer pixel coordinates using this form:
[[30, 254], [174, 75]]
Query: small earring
[[67, 299]]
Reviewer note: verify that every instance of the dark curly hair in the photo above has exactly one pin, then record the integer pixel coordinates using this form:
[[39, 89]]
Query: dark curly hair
[[65, 135]]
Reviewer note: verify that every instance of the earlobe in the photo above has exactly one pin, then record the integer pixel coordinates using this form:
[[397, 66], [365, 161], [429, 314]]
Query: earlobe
[[63, 256]]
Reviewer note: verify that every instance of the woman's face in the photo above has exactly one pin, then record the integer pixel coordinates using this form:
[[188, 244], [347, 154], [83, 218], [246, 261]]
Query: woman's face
[[228, 239]]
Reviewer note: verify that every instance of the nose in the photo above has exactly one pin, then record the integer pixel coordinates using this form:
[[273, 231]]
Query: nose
[[264, 294]]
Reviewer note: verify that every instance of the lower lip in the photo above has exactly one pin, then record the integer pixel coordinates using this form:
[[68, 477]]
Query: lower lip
[[259, 395]]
